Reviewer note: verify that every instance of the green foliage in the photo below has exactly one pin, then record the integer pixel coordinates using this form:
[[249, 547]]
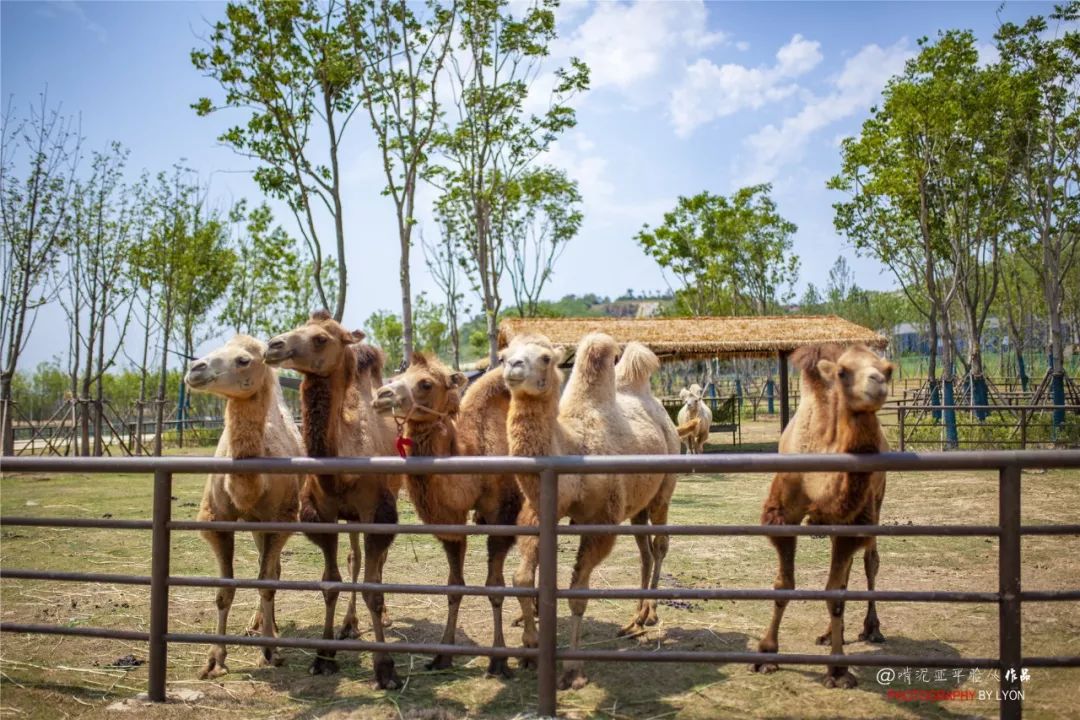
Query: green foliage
[[386, 331], [732, 255], [272, 288], [289, 64], [877, 310]]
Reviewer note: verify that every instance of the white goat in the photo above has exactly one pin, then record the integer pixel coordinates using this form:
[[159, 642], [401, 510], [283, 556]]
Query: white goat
[[695, 418]]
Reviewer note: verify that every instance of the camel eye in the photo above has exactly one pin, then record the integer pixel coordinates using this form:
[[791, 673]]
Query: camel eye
[[320, 340], [425, 385], [888, 374], [546, 359], [243, 361], [842, 374]]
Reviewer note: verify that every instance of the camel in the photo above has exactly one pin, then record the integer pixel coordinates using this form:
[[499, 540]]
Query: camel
[[593, 418], [340, 375], [842, 392], [426, 400], [694, 409], [257, 424]]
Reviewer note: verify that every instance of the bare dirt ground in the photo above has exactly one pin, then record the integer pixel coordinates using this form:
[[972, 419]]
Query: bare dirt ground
[[49, 677]]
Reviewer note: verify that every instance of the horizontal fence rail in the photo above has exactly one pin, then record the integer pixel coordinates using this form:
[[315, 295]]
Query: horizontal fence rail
[[1008, 532]]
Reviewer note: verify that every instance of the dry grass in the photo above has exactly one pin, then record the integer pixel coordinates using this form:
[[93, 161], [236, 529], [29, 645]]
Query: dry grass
[[49, 677], [682, 338]]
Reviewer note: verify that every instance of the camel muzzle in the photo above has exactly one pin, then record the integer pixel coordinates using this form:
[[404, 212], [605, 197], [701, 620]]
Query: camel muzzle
[[276, 353]]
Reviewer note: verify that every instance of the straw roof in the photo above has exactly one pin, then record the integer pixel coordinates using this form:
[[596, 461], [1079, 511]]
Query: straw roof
[[699, 337]]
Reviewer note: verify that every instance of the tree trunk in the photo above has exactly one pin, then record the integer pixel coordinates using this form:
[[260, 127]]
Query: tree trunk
[[948, 396], [7, 411], [163, 376], [406, 292]]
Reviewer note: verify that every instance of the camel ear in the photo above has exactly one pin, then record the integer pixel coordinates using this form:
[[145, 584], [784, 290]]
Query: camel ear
[[351, 338], [683, 393], [558, 356], [320, 314], [458, 380], [827, 369], [889, 367]]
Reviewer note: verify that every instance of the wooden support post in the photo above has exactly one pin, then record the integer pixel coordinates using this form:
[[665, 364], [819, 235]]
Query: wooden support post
[[785, 401]]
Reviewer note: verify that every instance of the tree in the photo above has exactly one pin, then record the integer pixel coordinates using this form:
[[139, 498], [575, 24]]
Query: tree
[[443, 264], [288, 63], [732, 255], [400, 57], [1046, 72], [544, 216], [492, 137], [431, 327], [94, 285], [35, 194], [271, 287], [387, 332]]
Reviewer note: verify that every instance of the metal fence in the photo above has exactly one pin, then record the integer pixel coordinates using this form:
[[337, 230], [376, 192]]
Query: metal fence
[[1004, 426], [1008, 531]]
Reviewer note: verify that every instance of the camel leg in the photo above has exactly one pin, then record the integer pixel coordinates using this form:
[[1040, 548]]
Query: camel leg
[[843, 549], [525, 577], [498, 547], [871, 626], [455, 558], [785, 580], [636, 625], [350, 626], [270, 569], [658, 515], [324, 662], [375, 548], [223, 545], [255, 624], [591, 551]]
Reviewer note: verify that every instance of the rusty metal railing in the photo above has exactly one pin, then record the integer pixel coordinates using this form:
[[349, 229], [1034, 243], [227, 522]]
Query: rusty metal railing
[[1009, 531]]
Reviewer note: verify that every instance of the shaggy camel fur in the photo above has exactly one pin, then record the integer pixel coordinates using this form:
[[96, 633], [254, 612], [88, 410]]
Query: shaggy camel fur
[[338, 420], [694, 409], [257, 424], [425, 400], [842, 392], [591, 419]]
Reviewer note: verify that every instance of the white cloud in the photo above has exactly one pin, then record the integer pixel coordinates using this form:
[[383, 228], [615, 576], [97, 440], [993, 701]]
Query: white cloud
[[856, 87], [708, 91], [628, 45]]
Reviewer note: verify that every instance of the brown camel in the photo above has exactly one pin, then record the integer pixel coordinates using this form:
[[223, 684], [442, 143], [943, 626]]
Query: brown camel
[[425, 400], [591, 419], [842, 392], [338, 420], [257, 424]]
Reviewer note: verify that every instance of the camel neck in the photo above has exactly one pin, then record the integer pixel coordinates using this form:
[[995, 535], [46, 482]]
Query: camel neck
[[245, 420], [431, 439], [857, 432], [322, 403], [531, 424]]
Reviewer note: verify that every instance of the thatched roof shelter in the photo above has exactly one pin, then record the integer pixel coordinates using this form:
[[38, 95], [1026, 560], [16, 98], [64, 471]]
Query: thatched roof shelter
[[681, 338]]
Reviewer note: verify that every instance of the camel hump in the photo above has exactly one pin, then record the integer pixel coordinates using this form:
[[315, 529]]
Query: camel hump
[[370, 359], [636, 366]]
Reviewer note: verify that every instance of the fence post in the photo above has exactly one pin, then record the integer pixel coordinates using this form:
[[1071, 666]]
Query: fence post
[[159, 584], [900, 422], [1009, 591], [549, 555]]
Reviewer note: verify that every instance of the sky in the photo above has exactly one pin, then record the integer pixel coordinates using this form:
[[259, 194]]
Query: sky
[[685, 96]]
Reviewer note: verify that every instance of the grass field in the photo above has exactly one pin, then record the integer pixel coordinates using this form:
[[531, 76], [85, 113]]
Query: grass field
[[49, 677]]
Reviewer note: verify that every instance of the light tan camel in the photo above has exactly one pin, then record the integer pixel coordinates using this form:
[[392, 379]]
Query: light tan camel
[[338, 420], [257, 424], [842, 392], [694, 408], [426, 400], [591, 419]]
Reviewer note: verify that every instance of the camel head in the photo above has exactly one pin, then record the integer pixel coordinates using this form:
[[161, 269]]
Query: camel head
[[426, 386], [235, 370], [691, 396], [860, 376], [531, 365], [317, 347]]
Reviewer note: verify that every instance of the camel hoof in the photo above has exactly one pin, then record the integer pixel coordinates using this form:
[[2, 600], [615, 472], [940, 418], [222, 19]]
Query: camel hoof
[[633, 629], [573, 679], [214, 668], [873, 635], [386, 677], [500, 667], [527, 663], [844, 680], [825, 639], [764, 668], [271, 660], [387, 621], [349, 631], [440, 662], [323, 666]]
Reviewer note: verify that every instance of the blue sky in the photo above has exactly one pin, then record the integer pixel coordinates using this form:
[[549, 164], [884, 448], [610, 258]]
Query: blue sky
[[687, 96]]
